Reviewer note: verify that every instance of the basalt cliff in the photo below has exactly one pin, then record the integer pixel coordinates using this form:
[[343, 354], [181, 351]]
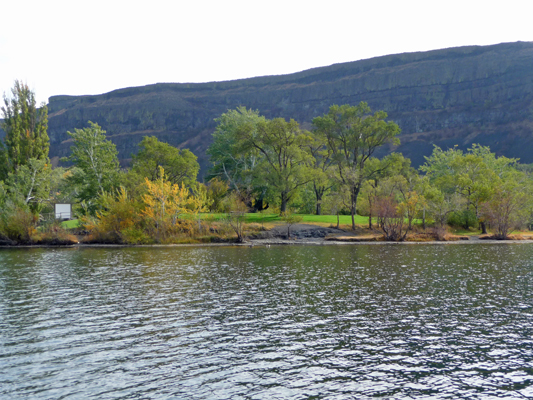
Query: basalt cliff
[[456, 96]]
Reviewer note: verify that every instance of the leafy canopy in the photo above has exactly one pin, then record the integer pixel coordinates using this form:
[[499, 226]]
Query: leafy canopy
[[180, 165], [26, 130]]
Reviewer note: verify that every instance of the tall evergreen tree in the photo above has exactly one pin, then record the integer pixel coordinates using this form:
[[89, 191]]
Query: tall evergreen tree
[[25, 126]]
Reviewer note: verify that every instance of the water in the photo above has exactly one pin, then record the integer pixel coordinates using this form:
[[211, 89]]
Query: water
[[310, 322]]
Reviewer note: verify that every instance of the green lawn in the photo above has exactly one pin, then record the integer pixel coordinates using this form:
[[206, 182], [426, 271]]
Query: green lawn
[[259, 218], [306, 218], [71, 224]]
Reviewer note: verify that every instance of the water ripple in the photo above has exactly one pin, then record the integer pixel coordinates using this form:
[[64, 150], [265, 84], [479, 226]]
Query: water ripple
[[342, 322]]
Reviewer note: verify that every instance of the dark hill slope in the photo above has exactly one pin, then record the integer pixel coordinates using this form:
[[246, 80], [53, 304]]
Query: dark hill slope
[[447, 97]]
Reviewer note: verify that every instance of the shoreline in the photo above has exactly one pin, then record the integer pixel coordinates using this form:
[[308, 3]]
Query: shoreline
[[271, 242]]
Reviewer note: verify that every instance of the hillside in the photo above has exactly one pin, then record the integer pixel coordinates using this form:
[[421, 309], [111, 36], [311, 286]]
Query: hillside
[[457, 96]]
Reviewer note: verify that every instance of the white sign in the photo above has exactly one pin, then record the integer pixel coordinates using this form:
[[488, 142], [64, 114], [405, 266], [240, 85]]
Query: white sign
[[63, 211]]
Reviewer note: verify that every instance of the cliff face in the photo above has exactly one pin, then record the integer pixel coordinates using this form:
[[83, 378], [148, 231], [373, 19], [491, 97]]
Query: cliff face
[[448, 97]]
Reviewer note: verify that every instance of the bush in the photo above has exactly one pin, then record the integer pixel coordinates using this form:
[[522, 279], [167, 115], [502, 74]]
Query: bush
[[464, 219], [17, 224], [54, 234]]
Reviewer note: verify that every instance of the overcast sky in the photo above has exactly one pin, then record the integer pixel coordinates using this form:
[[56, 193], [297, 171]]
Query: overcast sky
[[91, 47]]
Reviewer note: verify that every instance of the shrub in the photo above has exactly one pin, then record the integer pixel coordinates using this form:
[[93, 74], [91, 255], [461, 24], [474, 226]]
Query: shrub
[[464, 219], [17, 224]]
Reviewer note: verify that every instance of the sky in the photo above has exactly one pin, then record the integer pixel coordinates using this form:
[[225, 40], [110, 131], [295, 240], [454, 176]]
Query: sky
[[91, 47]]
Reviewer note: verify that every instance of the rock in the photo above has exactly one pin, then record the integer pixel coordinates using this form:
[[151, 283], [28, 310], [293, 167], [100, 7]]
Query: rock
[[457, 96]]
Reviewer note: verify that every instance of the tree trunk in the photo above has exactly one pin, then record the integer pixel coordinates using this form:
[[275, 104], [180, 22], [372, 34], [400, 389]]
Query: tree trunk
[[483, 228], [353, 195], [283, 206], [370, 220]]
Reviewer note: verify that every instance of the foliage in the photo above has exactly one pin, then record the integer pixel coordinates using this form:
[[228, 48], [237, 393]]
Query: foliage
[[216, 190], [30, 185], [379, 171], [508, 206], [283, 164], [53, 233], [353, 134], [290, 219], [441, 206], [234, 161], [97, 164], [180, 166], [25, 126], [117, 216], [236, 215], [17, 223], [472, 175], [321, 168], [391, 219], [165, 202]]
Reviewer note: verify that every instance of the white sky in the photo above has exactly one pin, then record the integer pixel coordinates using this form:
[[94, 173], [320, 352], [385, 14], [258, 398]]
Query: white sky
[[91, 47]]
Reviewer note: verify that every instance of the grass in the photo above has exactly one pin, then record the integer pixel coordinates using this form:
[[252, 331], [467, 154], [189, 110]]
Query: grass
[[268, 219], [259, 218], [71, 224]]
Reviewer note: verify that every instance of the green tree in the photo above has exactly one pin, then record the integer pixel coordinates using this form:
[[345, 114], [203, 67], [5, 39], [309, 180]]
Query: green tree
[[97, 163], [30, 185], [321, 165], [354, 134], [378, 170], [290, 219], [180, 165], [472, 175], [25, 126], [234, 160], [509, 204], [284, 159], [216, 191], [236, 216]]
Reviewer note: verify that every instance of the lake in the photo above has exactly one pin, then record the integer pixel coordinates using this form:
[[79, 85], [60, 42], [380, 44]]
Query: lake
[[299, 322]]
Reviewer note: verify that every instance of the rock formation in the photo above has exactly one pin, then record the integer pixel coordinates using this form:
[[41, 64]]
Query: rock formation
[[456, 96]]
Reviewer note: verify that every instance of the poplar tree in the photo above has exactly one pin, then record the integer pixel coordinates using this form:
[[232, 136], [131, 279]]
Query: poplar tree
[[25, 126]]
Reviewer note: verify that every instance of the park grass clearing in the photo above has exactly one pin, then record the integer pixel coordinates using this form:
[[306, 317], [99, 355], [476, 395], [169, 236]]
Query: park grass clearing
[[71, 224], [268, 221], [259, 218]]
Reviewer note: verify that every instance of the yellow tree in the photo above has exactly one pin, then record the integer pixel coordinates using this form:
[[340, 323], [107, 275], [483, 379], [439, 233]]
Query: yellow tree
[[165, 202]]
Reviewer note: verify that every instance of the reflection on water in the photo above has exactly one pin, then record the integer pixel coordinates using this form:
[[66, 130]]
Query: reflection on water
[[422, 321]]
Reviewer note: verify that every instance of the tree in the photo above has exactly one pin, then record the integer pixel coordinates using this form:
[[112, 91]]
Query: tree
[[353, 135], [234, 161], [116, 220], [216, 191], [25, 126], [31, 183], [508, 205], [378, 170], [290, 219], [180, 165], [283, 164], [97, 162], [236, 216], [440, 205], [320, 168], [472, 175], [397, 203], [165, 202]]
